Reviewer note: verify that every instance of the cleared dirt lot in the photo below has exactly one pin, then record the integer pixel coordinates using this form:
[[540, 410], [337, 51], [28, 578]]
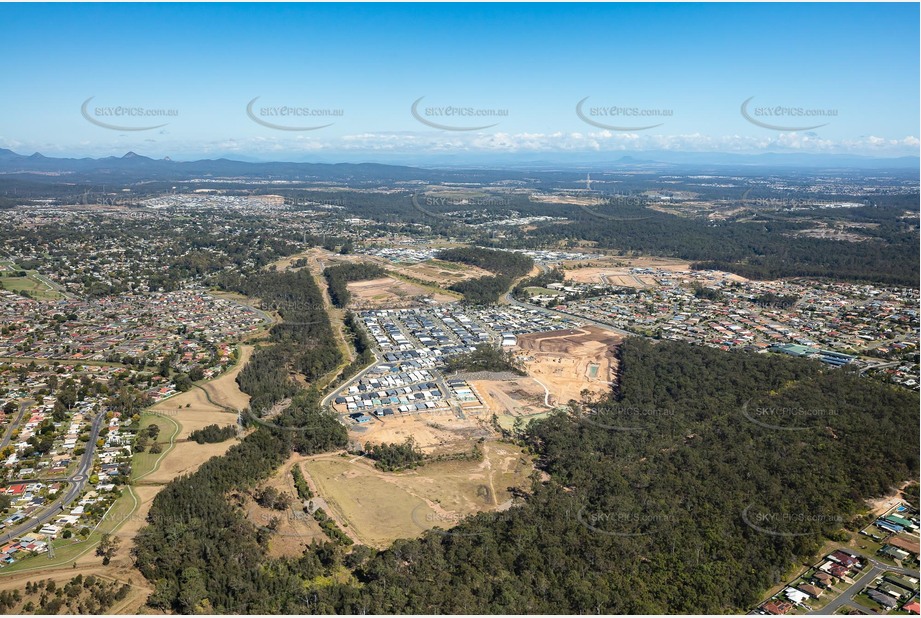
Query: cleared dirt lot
[[618, 270], [569, 361], [391, 293], [522, 396], [441, 273], [435, 432], [380, 507], [520, 400]]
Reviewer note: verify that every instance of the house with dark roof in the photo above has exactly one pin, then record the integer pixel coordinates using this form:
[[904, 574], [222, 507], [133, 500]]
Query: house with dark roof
[[898, 580], [843, 558], [882, 598]]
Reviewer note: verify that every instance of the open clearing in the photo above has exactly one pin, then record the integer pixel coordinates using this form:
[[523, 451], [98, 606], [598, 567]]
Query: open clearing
[[224, 390], [35, 288], [569, 361], [619, 270], [510, 399], [380, 507], [192, 411], [435, 432], [441, 273], [391, 293]]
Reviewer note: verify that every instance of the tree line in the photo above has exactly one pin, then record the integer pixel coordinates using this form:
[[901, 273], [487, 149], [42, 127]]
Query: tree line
[[506, 266], [693, 487], [338, 277]]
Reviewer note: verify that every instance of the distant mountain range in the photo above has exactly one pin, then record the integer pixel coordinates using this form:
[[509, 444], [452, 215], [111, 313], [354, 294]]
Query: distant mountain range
[[133, 167]]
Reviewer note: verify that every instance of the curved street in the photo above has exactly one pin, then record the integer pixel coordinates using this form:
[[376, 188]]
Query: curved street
[[76, 482]]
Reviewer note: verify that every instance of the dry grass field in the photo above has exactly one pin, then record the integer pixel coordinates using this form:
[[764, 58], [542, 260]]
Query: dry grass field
[[224, 390], [391, 293], [380, 507], [440, 273]]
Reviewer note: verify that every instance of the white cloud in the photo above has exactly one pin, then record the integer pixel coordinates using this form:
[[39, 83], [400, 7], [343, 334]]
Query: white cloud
[[443, 142]]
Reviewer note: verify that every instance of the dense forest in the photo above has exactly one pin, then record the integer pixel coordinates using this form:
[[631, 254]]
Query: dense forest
[[303, 342], [337, 278], [648, 507], [761, 247], [505, 266], [213, 433], [646, 510], [394, 457]]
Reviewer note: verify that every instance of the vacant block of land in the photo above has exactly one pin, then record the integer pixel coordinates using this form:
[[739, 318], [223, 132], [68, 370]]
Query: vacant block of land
[[566, 362], [435, 432], [380, 507], [391, 293]]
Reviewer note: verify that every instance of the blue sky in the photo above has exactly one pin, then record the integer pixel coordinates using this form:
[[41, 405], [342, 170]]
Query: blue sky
[[688, 68]]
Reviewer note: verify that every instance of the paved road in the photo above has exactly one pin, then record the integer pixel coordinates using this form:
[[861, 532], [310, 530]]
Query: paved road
[[847, 597], [877, 568], [76, 482], [881, 366], [54, 286], [8, 435], [345, 385]]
